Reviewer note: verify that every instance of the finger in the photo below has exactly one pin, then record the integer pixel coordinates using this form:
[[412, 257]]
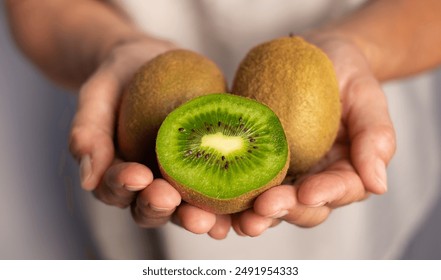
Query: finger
[[221, 227], [275, 202], [195, 219], [371, 133], [336, 186], [91, 137], [121, 181], [155, 204], [252, 224], [281, 202]]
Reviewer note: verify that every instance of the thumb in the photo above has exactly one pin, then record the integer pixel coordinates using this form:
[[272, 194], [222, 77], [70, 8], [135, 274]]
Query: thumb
[[371, 132], [91, 136], [365, 114]]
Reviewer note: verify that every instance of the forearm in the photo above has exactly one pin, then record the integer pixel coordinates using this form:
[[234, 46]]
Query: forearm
[[67, 39], [398, 37]]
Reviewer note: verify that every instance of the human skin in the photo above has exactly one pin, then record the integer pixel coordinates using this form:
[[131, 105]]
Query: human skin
[[98, 54]]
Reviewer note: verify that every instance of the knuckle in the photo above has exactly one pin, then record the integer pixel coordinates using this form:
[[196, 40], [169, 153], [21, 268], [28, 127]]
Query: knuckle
[[310, 217], [144, 220], [74, 138], [77, 139], [381, 138], [109, 199], [142, 204], [385, 141]]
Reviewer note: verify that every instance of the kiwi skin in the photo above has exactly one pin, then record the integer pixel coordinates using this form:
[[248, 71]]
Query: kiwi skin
[[297, 81], [224, 206], [158, 87]]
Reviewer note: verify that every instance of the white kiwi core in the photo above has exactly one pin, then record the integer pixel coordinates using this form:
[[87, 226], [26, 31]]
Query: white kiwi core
[[224, 144]]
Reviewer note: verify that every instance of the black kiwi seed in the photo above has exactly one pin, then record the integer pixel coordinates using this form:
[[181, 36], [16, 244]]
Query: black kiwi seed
[[219, 124], [226, 165], [223, 157], [198, 155], [249, 151], [254, 147], [252, 139], [181, 129], [207, 156]]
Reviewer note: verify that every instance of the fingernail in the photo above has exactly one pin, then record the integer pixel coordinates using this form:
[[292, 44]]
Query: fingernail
[[319, 204], [85, 170], [134, 188], [279, 214], [380, 172]]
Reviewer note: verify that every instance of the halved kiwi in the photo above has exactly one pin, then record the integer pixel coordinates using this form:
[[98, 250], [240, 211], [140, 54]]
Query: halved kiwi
[[220, 151]]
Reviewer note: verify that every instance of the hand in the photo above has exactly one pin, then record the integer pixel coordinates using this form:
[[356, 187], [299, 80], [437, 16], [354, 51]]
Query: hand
[[115, 182], [356, 164], [112, 180]]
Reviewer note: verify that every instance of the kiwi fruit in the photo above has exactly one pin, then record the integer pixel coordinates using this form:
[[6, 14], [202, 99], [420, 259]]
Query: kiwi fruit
[[221, 150], [158, 87], [297, 81]]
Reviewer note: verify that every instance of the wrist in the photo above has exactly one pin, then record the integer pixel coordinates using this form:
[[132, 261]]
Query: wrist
[[332, 36]]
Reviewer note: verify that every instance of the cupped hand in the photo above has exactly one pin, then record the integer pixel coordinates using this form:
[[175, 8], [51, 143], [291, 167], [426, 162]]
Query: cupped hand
[[153, 201], [112, 180], [356, 164]]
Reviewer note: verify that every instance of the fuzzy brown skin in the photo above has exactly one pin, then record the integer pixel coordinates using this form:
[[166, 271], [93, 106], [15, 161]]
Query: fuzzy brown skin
[[297, 81], [157, 88], [224, 206]]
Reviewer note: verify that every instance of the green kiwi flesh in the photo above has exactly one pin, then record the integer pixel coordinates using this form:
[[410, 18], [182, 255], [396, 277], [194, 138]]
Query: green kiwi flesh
[[220, 151]]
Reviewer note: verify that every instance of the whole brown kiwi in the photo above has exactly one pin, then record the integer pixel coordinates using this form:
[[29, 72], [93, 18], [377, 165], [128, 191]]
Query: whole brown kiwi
[[297, 81], [157, 88]]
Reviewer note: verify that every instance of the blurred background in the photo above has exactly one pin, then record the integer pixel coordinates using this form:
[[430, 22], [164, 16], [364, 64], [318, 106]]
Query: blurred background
[[41, 216], [38, 217]]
